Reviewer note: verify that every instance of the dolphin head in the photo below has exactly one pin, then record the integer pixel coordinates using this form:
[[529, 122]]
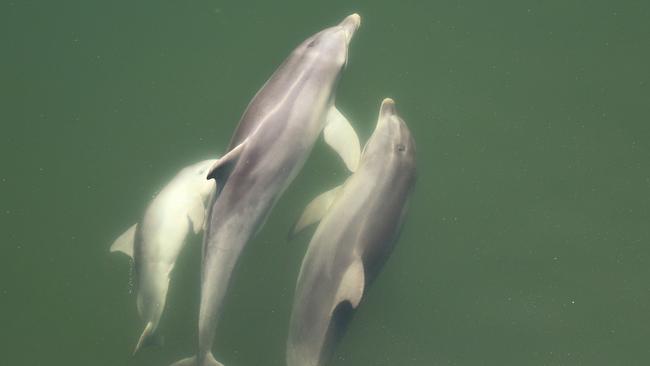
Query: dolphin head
[[330, 46], [391, 140]]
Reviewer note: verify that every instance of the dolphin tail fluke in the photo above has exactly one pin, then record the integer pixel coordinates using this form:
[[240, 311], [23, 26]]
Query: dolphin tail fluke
[[148, 338], [191, 361], [210, 361]]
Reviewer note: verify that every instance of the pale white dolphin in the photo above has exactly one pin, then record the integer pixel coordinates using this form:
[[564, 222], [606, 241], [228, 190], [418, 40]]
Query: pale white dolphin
[[273, 139], [360, 224], [155, 242]]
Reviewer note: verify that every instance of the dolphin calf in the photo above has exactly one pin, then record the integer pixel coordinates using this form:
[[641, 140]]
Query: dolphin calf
[[154, 243], [273, 139], [360, 223]]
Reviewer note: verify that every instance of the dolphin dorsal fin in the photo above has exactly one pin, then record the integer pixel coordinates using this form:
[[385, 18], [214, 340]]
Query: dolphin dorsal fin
[[222, 168], [315, 210], [124, 243], [352, 285], [340, 135]]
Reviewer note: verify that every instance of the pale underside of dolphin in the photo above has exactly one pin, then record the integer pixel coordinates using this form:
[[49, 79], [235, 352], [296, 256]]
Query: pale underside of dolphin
[[360, 223], [271, 144], [155, 242]]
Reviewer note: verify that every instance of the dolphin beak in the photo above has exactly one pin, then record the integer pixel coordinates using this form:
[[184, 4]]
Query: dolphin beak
[[350, 24], [387, 107], [386, 113]]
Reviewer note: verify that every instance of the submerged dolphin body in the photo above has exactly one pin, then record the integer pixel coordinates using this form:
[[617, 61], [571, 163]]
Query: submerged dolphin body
[[273, 139], [360, 224], [154, 243]]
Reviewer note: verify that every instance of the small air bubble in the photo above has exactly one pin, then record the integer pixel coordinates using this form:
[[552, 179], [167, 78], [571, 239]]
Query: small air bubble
[[131, 275]]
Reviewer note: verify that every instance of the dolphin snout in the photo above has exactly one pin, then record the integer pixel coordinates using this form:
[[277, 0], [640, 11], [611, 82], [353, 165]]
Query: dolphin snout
[[388, 107], [350, 24], [387, 112]]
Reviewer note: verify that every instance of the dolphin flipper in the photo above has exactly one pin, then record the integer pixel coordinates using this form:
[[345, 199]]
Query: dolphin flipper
[[340, 135], [352, 285], [315, 210], [124, 243]]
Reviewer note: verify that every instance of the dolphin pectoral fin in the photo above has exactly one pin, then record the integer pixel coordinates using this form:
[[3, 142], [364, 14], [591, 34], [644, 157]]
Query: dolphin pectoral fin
[[124, 243], [222, 168], [196, 214], [352, 285], [340, 135], [315, 210]]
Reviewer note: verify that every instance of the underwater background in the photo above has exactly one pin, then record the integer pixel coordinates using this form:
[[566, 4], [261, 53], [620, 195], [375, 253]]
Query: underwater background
[[528, 236]]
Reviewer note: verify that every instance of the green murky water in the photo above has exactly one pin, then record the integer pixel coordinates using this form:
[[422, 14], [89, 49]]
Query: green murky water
[[527, 241]]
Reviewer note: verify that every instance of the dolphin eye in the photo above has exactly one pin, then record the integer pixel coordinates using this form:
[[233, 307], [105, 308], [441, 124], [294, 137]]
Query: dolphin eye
[[401, 147], [311, 44]]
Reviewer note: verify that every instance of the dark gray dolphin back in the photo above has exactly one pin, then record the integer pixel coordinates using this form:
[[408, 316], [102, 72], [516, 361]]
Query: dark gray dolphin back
[[272, 92]]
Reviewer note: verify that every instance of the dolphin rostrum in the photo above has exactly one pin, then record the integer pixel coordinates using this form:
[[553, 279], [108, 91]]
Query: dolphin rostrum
[[273, 139], [155, 242], [360, 223]]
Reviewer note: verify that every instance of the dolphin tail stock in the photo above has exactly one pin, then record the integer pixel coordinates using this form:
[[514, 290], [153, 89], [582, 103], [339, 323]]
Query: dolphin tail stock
[[148, 338], [191, 361]]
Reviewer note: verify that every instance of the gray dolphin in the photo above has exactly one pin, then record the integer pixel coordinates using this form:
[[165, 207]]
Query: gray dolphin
[[273, 139], [154, 243], [360, 224]]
